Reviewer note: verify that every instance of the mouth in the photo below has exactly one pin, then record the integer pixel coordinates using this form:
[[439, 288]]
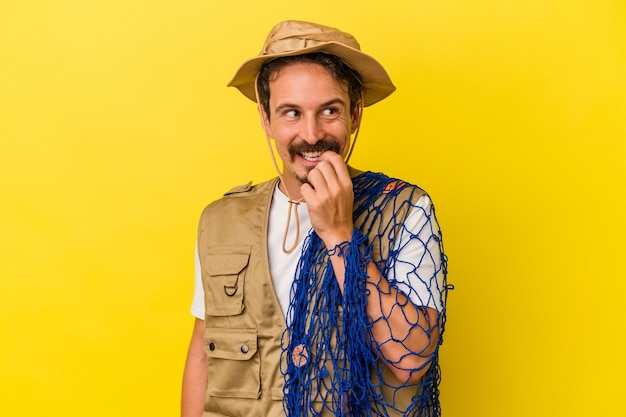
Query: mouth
[[312, 153], [311, 156]]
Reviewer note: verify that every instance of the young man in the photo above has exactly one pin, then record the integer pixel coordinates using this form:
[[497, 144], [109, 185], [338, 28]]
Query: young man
[[320, 292]]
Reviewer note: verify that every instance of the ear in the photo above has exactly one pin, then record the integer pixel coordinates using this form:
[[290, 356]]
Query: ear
[[265, 121], [357, 112]]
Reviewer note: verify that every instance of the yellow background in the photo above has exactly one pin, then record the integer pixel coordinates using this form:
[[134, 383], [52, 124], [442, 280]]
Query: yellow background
[[117, 128]]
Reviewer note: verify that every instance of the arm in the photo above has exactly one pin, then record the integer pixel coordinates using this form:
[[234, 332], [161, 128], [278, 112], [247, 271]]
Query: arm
[[195, 375], [405, 334], [409, 333]]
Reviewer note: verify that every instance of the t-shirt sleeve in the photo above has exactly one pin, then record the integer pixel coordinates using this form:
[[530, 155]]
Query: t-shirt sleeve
[[418, 270], [197, 304]]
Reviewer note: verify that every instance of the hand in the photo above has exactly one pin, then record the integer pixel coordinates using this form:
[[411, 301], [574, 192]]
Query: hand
[[330, 198]]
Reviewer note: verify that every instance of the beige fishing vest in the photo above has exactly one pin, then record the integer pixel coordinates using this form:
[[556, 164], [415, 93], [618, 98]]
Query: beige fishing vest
[[243, 319]]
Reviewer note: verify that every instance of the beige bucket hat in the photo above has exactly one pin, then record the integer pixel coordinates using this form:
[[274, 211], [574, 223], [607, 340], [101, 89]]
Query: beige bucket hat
[[294, 37]]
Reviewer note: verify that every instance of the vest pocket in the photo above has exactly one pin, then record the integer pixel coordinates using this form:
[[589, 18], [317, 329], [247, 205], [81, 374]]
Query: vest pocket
[[225, 268], [233, 363]]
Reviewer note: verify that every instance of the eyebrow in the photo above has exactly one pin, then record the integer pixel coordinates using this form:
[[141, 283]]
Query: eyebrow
[[328, 103]]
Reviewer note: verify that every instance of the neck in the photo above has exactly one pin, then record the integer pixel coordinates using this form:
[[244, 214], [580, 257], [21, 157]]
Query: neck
[[291, 189]]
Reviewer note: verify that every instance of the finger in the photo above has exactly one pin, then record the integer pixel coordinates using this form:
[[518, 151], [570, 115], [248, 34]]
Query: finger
[[324, 173], [307, 192], [338, 165], [317, 179], [335, 160]]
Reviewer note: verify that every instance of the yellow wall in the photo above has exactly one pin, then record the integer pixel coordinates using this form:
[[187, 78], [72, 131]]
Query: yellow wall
[[116, 128]]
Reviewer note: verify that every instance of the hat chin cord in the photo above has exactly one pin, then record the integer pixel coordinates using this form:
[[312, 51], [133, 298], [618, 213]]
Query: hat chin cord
[[293, 204]]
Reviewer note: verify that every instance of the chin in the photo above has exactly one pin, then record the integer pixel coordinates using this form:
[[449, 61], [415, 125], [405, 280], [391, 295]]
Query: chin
[[303, 175]]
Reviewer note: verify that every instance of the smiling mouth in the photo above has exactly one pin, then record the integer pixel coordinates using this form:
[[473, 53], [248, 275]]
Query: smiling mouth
[[312, 153], [311, 156]]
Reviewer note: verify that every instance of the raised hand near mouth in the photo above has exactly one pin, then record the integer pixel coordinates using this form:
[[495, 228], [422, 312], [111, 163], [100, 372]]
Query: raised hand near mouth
[[329, 197]]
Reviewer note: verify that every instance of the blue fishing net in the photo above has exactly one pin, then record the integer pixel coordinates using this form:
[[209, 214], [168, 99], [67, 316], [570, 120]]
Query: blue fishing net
[[332, 364]]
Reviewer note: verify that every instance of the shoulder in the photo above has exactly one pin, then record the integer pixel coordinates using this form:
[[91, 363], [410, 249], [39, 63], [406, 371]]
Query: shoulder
[[378, 185], [238, 200], [251, 189], [247, 190], [244, 194]]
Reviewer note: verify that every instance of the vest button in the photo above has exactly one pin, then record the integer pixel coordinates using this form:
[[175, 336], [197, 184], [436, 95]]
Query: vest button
[[211, 346], [245, 349]]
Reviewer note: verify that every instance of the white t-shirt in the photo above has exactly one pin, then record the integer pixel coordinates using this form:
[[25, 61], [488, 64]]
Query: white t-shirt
[[415, 244]]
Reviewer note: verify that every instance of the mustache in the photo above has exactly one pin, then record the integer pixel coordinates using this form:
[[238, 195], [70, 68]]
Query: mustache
[[322, 145]]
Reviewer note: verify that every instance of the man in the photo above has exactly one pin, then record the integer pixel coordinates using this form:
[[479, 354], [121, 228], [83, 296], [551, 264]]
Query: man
[[320, 292]]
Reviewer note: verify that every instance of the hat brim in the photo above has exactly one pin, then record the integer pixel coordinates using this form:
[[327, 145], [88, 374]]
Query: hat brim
[[376, 81]]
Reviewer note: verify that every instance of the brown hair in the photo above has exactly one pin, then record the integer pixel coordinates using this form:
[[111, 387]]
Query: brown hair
[[338, 69]]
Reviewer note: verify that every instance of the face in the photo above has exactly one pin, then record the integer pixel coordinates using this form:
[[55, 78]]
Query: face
[[309, 115]]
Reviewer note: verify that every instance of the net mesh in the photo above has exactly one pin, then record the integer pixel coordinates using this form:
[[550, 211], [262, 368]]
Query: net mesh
[[331, 360]]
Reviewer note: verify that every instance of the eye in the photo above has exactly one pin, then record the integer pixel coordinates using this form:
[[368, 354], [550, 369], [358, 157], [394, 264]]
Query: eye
[[291, 113], [330, 112]]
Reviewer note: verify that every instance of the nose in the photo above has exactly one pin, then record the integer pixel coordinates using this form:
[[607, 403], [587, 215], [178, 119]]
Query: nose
[[312, 130]]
